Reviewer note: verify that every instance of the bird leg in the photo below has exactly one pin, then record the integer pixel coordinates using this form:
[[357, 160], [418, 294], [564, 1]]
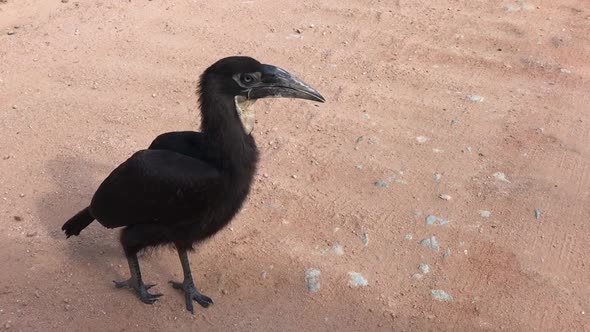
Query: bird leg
[[188, 286], [136, 283]]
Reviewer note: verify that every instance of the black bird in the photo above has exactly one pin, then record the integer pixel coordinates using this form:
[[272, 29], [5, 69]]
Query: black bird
[[188, 185]]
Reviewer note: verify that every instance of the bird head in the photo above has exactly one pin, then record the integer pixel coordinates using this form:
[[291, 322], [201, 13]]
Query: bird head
[[246, 80]]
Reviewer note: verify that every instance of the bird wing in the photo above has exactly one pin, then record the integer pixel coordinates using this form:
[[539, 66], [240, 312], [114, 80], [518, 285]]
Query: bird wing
[[189, 143], [155, 186]]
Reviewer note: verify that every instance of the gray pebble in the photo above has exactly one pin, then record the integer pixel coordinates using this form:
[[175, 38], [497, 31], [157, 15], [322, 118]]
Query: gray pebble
[[441, 295], [421, 139], [500, 176], [434, 220], [537, 213], [485, 213], [312, 279], [337, 249], [381, 183], [365, 239], [437, 176], [357, 279], [408, 237], [424, 268], [430, 242], [474, 98]]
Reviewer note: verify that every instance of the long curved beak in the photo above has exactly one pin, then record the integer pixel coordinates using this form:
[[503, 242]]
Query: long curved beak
[[278, 83]]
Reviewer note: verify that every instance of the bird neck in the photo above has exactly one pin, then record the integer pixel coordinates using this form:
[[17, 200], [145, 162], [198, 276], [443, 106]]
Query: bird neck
[[233, 148]]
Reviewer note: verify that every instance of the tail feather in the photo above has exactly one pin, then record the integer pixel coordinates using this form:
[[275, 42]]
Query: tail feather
[[78, 222]]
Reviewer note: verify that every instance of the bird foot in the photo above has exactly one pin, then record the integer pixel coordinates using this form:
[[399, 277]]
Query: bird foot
[[191, 293], [140, 288]]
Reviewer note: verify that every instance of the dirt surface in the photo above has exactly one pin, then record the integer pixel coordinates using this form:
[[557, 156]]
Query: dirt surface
[[483, 101]]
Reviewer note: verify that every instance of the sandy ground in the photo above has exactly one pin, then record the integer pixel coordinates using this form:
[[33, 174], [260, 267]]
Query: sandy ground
[[424, 99]]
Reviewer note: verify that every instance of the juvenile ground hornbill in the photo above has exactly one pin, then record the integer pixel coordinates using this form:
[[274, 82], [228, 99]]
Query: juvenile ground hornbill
[[188, 185]]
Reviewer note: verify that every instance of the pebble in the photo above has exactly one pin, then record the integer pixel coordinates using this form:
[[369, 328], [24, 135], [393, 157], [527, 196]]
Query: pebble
[[65, 1], [294, 176], [18, 218], [11, 32], [485, 213], [408, 237], [430, 242], [565, 70], [441, 295], [437, 176], [14, 107], [312, 279], [424, 268], [434, 220], [37, 294], [500, 176], [359, 166], [365, 239], [474, 98], [357, 280], [537, 213], [445, 197], [381, 183], [421, 139], [337, 249], [21, 195], [31, 234]]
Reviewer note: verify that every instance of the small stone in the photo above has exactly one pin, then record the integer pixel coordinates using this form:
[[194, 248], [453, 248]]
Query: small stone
[[500, 176], [294, 176], [445, 197], [565, 70], [357, 280], [312, 26], [65, 1], [66, 300], [10, 32], [408, 237], [485, 213], [437, 176], [14, 107], [299, 31], [359, 166], [312, 279], [337, 249], [441, 295], [430, 242], [468, 149], [454, 122], [154, 95], [37, 294], [424, 268], [18, 218], [421, 139], [67, 307], [21, 195], [537, 213], [381, 183], [263, 274], [474, 98], [434, 220], [31, 234], [365, 239]]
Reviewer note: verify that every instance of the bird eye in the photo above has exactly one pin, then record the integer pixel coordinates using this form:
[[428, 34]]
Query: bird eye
[[248, 78]]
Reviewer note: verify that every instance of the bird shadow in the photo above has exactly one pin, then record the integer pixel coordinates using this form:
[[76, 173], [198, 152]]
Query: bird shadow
[[74, 181]]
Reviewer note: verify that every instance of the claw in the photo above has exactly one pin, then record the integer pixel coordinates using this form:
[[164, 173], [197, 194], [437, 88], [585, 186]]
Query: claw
[[141, 290], [190, 294]]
